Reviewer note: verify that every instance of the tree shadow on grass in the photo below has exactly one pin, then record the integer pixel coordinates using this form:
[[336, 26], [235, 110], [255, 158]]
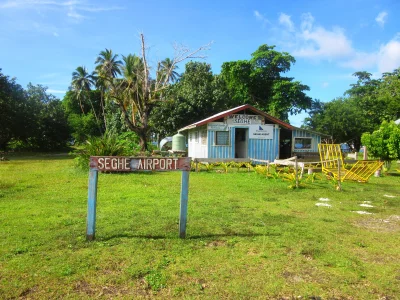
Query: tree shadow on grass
[[169, 237], [264, 226]]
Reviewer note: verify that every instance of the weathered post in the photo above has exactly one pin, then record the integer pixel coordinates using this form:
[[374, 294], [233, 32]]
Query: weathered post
[[91, 209], [296, 173], [184, 204], [339, 177]]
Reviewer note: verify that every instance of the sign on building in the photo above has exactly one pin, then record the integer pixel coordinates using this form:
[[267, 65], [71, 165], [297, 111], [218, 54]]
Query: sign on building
[[265, 132], [244, 119], [217, 126]]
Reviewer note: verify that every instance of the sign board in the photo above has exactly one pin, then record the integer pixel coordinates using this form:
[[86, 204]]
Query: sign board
[[265, 132], [217, 126], [244, 119], [134, 164]]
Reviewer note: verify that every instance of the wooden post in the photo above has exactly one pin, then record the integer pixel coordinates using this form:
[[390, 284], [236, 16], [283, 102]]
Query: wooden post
[[339, 177], [365, 154], [296, 173], [91, 209], [184, 204]]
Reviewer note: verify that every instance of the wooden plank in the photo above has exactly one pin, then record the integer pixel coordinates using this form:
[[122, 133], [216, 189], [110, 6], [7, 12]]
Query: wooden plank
[[133, 164]]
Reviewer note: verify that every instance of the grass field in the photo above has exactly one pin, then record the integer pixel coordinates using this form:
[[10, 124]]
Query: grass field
[[247, 236]]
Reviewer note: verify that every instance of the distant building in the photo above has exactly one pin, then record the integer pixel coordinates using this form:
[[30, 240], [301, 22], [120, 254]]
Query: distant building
[[246, 132]]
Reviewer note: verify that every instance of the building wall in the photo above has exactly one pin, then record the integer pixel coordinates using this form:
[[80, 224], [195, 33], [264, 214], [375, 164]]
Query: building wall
[[257, 148], [197, 143], [220, 151], [265, 149], [316, 139]]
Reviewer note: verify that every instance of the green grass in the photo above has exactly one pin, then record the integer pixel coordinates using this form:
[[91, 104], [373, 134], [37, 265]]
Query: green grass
[[247, 236]]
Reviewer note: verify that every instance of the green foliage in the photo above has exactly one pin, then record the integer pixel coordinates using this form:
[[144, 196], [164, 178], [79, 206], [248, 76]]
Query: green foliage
[[31, 118], [14, 110], [384, 143], [107, 145], [367, 104], [259, 82], [197, 95], [83, 126]]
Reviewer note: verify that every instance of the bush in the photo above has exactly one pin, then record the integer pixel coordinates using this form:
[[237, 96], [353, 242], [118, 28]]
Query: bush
[[106, 145]]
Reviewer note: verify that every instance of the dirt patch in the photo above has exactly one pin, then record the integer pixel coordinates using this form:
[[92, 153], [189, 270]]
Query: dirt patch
[[390, 224], [216, 244], [108, 291]]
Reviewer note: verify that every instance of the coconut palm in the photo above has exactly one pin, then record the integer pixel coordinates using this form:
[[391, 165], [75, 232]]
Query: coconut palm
[[167, 69], [107, 64], [82, 81]]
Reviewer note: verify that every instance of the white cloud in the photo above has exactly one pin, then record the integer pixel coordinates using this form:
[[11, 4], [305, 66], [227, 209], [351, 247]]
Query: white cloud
[[74, 15], [381, 18], [389, 56], [260, 17], [325, 84], [318, 42], [74, 6], [51, 91], [307, 22], [285, 20], [315, 42], [360, 60]]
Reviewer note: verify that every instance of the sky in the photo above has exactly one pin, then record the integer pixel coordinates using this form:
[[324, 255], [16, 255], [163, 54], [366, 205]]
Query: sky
[[44, 41]]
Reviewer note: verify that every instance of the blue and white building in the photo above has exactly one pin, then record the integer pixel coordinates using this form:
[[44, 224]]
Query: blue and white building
[[246, 132]]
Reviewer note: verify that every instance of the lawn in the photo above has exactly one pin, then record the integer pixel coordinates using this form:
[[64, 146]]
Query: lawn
[[247, 236]]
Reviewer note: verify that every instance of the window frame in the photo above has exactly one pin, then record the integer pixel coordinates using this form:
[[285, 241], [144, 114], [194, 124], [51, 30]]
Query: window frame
[[216, 138], [302, 138]]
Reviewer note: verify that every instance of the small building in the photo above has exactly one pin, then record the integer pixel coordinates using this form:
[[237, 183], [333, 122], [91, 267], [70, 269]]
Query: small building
[[246, 132]]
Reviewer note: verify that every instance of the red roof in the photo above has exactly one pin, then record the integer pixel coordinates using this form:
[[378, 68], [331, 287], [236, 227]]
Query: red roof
[[235, 110]]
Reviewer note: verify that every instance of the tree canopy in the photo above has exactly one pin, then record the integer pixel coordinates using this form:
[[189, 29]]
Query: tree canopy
[[260, 82], [364, 107]]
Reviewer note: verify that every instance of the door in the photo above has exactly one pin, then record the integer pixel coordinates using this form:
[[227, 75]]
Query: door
[[241, 137]]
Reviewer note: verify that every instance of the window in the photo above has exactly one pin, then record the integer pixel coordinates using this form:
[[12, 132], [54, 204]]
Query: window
[[302, 143], [196, 137], [221, 138], [204, 137]]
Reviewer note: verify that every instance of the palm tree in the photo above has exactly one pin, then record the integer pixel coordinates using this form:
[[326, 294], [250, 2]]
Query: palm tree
[[107, 68], [107, 64], [167, 69], [82, 81]]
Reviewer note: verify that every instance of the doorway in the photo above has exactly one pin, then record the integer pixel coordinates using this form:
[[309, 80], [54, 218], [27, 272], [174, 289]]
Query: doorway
[[241, 137], [285, 144]]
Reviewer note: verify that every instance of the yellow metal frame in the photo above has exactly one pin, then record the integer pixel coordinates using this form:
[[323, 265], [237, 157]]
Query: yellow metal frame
[[331, 154]]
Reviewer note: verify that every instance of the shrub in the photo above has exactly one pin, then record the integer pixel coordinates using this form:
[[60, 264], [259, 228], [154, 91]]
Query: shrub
[[107, 145]]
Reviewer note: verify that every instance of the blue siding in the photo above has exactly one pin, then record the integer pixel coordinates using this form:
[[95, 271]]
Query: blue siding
[[258, 149], [264, 149], [316, 139], [219, 151]]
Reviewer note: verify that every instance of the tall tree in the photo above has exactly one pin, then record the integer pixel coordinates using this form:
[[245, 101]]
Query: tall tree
[[82, 81], [168, 69], [14, 110], [138, 93], [384, 143], [197, 95], [259, 82], [108, 67]]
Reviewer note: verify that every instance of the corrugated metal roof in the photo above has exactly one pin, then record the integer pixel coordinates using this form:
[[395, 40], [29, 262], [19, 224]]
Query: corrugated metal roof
[[235, 110]]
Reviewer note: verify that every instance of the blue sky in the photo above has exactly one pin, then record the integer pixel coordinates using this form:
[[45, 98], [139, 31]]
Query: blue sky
[[43, 41]]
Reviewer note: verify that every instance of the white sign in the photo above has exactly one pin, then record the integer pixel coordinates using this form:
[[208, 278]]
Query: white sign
[[244, 119], [217, 126], [265, 132]]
